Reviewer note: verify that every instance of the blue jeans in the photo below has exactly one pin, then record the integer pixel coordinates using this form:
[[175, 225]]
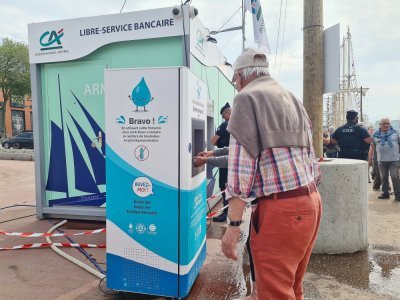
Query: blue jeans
[[392, 167]]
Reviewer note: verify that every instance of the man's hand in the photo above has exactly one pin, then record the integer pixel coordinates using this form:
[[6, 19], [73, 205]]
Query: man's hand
[[199, 161], [229, 241], [370, 162], [206, 153]]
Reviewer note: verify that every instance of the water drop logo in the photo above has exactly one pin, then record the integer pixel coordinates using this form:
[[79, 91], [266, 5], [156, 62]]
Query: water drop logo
[[162, 119], [200, 39], [141, 95], [120, 120], [48, 39]]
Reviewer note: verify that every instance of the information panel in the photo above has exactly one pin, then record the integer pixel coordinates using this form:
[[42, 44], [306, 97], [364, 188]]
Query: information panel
[[156, 198], [142, 109]]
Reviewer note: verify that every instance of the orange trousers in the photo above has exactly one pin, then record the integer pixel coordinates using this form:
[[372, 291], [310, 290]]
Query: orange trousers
[[282, 236]]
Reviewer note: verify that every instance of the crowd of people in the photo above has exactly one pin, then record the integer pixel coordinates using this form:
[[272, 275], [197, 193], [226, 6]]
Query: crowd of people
[[379, 148]]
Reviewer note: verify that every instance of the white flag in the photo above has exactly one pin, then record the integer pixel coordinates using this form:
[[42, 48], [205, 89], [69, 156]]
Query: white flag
[[260, 34]]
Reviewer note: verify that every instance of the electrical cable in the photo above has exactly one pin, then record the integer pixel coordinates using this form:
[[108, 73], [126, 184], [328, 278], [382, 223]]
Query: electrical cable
[[17, 205], [230, 18], [17, 218], [107, 290], [81, 250], [123, 5], [184, 35], [69, 257], [277, 39], [229, 40], [283, 39]]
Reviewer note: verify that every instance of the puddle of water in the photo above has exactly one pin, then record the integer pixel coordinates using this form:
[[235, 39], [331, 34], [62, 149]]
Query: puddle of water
[[385, 275], [376, 270]]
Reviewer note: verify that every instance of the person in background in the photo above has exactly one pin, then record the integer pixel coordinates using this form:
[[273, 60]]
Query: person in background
[[331, 149], [221, 140], [387, 145], [373, 162], [271, 159], [352, 138]]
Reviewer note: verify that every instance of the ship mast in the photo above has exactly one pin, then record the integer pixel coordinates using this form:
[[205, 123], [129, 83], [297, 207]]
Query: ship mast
[[350, 94]]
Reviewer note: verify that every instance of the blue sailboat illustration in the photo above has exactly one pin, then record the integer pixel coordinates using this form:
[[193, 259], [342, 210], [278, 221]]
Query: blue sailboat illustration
[[141, 95], [96, 158], [84, 180], [57, 177]]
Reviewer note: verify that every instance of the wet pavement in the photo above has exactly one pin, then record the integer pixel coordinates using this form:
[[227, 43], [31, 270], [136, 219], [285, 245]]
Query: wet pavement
[[42, 274]]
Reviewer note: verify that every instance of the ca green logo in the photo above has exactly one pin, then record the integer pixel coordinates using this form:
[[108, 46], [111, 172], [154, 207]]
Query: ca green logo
[[51, 40]]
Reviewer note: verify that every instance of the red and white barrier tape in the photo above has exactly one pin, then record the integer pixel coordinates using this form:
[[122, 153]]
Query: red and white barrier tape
[[47, 234], [216, 195], [44, 245], [41, 234], [215, 213]]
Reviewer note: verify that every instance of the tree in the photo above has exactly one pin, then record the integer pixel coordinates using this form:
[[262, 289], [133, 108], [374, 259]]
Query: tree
[[14, 73]]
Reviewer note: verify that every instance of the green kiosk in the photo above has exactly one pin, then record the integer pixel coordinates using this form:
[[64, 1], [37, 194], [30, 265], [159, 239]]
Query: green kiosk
[[68, 59]]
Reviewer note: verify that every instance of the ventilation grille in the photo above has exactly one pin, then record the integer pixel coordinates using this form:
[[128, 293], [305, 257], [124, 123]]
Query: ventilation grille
[[139, 276]]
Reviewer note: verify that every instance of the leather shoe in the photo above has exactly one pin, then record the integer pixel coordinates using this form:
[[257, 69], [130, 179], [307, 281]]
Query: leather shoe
[[384, 196], [220, 218], [397, 198]]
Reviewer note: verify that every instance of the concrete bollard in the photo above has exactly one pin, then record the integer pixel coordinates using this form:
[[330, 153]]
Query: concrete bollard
[[16, 156], [344, 193]]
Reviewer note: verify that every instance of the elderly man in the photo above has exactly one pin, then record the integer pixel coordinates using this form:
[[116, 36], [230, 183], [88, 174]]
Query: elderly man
[[271, 159], [386, 142]]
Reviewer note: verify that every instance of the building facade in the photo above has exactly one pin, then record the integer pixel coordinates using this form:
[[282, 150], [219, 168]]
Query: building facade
[[18, 115]]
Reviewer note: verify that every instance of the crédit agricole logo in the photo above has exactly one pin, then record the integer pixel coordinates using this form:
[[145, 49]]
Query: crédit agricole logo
[[51, 40]]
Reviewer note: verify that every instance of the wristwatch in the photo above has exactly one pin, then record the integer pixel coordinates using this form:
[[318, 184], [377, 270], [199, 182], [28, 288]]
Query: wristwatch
[[235, 223]]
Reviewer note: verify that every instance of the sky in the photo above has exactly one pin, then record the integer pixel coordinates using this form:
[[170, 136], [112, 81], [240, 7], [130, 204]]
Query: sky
[[374, 26]]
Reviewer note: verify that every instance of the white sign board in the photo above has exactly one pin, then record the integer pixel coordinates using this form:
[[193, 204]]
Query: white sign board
[[206, 51], [142, 120], [75, 38], [332, 59]]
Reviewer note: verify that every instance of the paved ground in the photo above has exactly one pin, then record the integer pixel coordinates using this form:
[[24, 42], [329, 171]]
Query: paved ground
[[42, 274]]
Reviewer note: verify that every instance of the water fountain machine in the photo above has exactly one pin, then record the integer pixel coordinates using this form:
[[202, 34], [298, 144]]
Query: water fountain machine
[[156, 197]]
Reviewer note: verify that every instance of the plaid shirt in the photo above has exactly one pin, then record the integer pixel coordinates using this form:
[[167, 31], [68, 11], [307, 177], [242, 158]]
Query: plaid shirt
[[275, 170]]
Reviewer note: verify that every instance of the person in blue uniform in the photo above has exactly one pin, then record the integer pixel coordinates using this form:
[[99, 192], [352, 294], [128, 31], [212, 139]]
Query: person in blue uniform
[[221, 140], [352, 138]]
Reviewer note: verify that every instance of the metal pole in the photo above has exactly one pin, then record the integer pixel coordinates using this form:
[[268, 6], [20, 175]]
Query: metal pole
[[361, 105], [313, 70], [349, 98], [243, 25], [343, 95]]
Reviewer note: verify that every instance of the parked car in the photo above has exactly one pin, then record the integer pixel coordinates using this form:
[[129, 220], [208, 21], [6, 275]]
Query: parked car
[[22, 140]]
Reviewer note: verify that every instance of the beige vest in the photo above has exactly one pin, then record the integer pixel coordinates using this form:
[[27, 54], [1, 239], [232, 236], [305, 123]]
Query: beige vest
[[265, 115]]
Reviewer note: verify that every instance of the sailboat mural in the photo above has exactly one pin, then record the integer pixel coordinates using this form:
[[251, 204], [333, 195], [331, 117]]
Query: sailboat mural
[[57, 181], [85, 180]]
